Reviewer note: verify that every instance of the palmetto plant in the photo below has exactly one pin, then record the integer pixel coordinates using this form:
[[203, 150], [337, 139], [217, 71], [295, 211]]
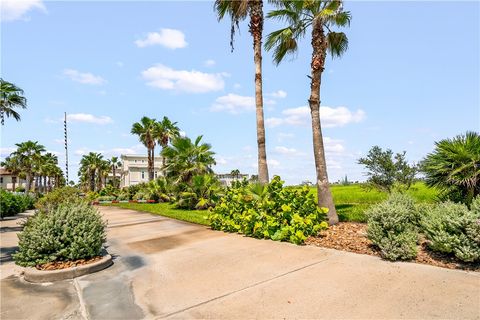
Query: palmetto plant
[[454, 167], [186, 159], [238, 10], [320, 17], [146, 130], [11, 97]]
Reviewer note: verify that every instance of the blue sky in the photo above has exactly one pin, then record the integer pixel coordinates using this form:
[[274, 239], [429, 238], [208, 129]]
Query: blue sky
[[411, 76]]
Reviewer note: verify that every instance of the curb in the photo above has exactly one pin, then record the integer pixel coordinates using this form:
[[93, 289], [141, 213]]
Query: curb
[[37, 276]]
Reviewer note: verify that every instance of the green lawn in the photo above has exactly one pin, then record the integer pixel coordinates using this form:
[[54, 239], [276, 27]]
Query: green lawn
[[167, 210], [351, 202]]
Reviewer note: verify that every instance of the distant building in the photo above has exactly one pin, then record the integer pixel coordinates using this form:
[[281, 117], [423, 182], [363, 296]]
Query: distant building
[[134, 169], [7, 180], [226, 179]]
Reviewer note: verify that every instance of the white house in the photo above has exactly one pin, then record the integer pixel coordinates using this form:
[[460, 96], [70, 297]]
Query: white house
[[226, 179], [134, 169], [7, 180]]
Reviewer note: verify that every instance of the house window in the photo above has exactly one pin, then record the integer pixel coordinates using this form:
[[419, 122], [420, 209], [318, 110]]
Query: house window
[[155, 174], [135, 161], [1, 179], [143, 175]]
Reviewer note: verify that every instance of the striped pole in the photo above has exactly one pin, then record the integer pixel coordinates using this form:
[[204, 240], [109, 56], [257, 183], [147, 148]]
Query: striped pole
[[66, 150]]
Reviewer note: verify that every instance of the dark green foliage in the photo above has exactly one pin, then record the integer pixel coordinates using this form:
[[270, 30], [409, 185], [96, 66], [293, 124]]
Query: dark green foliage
[[70, 231], [387, 171], [57, 197], [392, 227], [452, 228], [454, 167], [268, 211], [12, 204], [201, 193]]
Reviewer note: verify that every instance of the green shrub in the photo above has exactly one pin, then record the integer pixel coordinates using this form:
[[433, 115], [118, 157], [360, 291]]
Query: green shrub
[[106, 198], [201, 193], [20, 189], [109, 190], [58, 196], [392, 227], [269, 211], [91, 196], [12, 203], [70, 231], [452, 228]]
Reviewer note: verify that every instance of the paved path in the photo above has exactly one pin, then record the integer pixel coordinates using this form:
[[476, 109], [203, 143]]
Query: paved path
[[170, 269]]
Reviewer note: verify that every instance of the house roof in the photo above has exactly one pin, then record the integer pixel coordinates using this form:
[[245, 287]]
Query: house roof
[[4, 171]]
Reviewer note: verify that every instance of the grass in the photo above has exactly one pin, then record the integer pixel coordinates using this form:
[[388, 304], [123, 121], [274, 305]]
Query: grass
[[167, 210], [351, 202]]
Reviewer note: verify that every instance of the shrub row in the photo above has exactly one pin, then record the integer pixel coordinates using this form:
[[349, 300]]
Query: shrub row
[[270, 211], [12, 203], [396, 226]]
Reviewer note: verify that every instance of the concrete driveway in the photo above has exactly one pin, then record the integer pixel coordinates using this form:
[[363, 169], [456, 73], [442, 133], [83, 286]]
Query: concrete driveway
[[170, 269]]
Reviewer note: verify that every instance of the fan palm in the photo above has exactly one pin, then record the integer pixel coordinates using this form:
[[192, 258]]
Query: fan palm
[[165, 132], [11, 98], [186, 159], [12, 164], [454, 167], [89, 167], [146, 129], [320, 17], [115, 163], [237, 11], [28, 153]]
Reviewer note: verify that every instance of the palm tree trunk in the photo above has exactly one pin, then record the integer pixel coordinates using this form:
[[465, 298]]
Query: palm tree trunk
[[114, 182], [92, 180], [319, 46], [256, 30], [14, 180], [150, 163]]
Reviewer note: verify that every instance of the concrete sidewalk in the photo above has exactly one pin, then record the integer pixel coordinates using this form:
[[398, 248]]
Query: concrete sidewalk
[[170, 269]]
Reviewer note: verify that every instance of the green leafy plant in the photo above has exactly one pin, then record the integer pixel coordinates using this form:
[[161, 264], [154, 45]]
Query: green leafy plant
[[201, 193], [392, 227], [452, 228], [58, 196], [12, 204], [69, 231], [268, 211]]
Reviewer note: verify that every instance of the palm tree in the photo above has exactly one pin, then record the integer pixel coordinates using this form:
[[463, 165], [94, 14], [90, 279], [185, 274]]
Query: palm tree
[[12, 164], [11, 98], [28, 154], [454, 167], [46, 167], [320, 16], [89, 168], [145, 129], [165, 132], [238, 11], [186, 159], [114, 163], [235, 173], [103, 171]]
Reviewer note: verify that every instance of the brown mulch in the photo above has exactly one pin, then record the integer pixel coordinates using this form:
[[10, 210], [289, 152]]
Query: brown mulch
[[352, 237], [57, 265]]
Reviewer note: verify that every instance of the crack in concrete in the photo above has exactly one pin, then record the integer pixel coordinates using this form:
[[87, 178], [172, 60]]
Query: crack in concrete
[[119, 225], [83, 308], [240, 290]]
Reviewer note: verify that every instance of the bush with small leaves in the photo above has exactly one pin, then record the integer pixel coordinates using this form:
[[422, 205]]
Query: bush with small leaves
[[392, 227], [70, 231], [268, 211], [14, 203], [452, 228], [57, 197]]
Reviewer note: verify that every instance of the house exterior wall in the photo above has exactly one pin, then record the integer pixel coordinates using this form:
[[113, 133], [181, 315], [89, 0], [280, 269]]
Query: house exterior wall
[[6, 182], [226, 179], [135, 169]]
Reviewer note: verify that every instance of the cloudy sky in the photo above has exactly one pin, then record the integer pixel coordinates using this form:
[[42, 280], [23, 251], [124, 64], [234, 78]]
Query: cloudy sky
[[409, 78]]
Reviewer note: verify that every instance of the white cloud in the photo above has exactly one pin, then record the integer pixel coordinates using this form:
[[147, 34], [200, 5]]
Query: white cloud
[[284, 136], [59, 141], [89, 118], [11, 10], [330, 117], [333, 146], [169, 38], [285, 150], [221, 161], [83, 151], [5, 151], [209, 63], [233, 103], [166, 78], [83, 77], [280, 94]]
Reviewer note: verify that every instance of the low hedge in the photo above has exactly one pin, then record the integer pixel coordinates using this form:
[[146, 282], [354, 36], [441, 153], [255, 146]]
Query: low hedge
[[14, 203]]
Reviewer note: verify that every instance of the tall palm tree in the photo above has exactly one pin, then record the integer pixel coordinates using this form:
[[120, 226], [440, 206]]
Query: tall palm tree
[[454, 167], [12, 164], [320, 16], [145, 129], [102, 174], [235, 173], [89, 167], [186, 159], [11, 98], [48, 165], [165, 132], [114, 163], [28, 153], [238, 10]]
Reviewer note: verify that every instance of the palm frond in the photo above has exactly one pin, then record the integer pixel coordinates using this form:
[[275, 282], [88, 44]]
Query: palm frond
[[337, 43]]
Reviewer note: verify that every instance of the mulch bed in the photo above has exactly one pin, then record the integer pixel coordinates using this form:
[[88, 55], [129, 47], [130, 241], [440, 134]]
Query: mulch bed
[[352, 237], [57, 265]]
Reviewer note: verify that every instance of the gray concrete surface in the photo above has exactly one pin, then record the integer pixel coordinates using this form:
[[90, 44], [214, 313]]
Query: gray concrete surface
[[170, 269]]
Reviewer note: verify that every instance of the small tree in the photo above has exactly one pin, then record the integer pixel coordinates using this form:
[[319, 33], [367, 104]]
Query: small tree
[[386, 170]]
